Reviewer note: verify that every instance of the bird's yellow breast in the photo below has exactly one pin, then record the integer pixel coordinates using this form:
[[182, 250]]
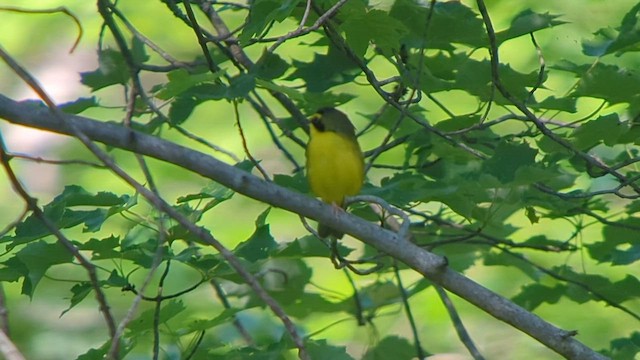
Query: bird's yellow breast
[[335, 166]]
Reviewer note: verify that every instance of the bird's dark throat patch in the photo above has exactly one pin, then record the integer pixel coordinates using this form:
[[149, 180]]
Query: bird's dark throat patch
[[317, 123]]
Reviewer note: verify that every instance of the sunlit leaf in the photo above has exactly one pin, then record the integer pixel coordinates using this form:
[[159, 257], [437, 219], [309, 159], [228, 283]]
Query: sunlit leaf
[[112, 70], [528, 22]]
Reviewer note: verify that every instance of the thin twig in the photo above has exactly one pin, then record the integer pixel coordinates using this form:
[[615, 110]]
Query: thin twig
[[206, 143], [213, 67], [195, 346], [160, 298], [300, 31], [463, 335], [407, 309], [15, 222], [41, 160], [402, 230], [253, 160], [156, 312], [60, 9], [175, 63], [246, 336], [359, 310]]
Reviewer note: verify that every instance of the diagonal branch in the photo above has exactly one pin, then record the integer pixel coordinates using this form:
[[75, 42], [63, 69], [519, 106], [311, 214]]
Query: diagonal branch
[[426, 263]]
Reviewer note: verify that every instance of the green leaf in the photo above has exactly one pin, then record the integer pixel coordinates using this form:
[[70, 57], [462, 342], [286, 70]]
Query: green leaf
[[286, 280], [180, 81], [528, 22], [621, 291], [624, 348], [531, 214], [321, 350], [144, 322], [79, 105], [533, 295], [97, 354], [74, 195], [616, 236], [138, 51], [609, 82], [222, 318], [106, 248], [214, 192], [474, 77], [627, 256], [296, 182], [270, 66], [13, 270], [543, 243], [458, 123], [59, 212], [313, 101], [402, 188], [468, 29], [565, 104], [617, 292], [112, 70], [80, 292], [325, 71], [292, 93], [389, 118], [263, 13], [38, 257], [240, 86], [309, 305], [391, 347], [624, 39], [378, 295], [181, 108], [203, 263], [460, 256], [309, 246], [508, 159], [32, 228], [206, 91], [605, 129], [260, 244], [116, 280], [504, 259], [376, 26], [140, 246]]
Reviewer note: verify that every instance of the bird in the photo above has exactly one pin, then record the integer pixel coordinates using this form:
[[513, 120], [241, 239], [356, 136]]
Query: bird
[[335, 163]]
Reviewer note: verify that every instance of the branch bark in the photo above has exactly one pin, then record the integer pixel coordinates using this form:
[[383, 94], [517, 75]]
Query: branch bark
[[433, 267]]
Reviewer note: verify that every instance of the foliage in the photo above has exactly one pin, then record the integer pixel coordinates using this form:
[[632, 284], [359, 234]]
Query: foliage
[[498, 164]]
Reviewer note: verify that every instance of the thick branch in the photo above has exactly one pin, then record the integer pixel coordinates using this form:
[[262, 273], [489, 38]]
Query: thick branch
[[431, 266]]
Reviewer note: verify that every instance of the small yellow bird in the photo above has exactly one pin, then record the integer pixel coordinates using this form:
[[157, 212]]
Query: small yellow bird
[[335, 164]]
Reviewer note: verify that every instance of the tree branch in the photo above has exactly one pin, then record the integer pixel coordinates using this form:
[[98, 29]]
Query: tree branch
[[433, 267]]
